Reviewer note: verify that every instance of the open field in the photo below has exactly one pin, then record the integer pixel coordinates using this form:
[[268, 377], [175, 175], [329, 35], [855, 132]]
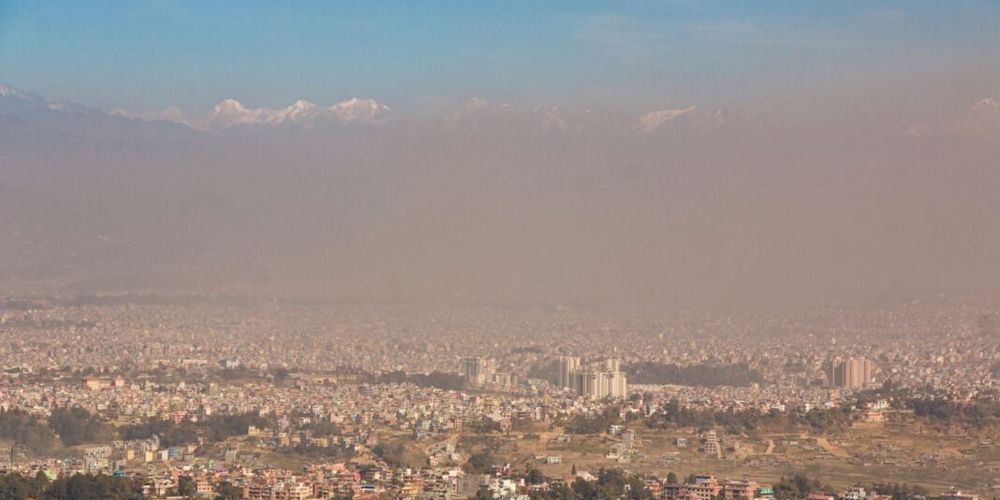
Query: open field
[[900, 452]]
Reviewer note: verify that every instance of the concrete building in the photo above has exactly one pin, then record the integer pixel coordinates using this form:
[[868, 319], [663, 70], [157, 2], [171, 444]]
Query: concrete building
[[711, 446], [568, 366], [479, 370], [602, 383], [851, 373], [739, 489]]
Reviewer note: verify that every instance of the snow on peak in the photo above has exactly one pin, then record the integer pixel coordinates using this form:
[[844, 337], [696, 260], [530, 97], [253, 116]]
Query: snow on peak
[[231, 113], [8, 91], [355, 109], [551, 118], [474, 103], [655, 119], [979, 120], [298, 111], [983, 117], [25, 98], [987, 104]]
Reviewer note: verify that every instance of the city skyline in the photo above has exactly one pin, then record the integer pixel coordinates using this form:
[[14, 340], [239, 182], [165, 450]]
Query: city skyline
[[499, 250]]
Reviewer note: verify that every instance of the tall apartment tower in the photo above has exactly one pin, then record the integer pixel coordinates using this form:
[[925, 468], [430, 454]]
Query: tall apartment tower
[[616, 384], [479, 370], [851, 373], [568, 366], [591, 384], [613, 365], [602, 380]]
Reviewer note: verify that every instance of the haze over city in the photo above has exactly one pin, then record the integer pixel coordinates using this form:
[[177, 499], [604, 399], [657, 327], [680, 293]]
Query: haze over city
[[661, 153], [588, 250]]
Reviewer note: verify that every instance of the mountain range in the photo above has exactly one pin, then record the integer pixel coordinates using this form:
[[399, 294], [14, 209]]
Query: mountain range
[[496, 202], [231, 113]]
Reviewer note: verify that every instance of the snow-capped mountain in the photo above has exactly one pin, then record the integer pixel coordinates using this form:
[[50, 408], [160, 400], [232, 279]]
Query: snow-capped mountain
[[689, 118], [28, 119], [655, 119], [474, 114], [983, 117], [979, 120], [8, 92], [16, 101], [988, 104], [550, 117], [232, 113]]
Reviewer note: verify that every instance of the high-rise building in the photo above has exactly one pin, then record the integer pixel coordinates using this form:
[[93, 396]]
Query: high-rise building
[[479, 370], [591, 384], [601, 381], [612, 365], [711, 446], [568, 366], [504, 379], [851, 373], [616, 384]]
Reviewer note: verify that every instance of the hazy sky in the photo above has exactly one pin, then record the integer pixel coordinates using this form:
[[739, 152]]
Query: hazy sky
[[655, 152], [636, 54]]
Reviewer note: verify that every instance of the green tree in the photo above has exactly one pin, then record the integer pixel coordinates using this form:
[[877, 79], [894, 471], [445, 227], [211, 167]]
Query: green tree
[[76, 426], [484, 493], [798, 486], [280, 375], [186, 486], [637, 489], [40, 483], [226, 491], [534, 476], [91, 487], [15, 487], [26, 430], [584, 489], [559, 491], [480, 463]]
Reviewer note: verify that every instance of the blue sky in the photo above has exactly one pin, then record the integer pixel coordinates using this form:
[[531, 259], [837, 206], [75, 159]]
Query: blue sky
[[642, 53]]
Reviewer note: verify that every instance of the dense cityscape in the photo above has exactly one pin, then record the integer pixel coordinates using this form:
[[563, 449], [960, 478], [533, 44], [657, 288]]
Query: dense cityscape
[[222, 395], [499, 250]]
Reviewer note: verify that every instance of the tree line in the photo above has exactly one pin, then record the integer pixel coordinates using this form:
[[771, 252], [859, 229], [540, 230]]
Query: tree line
[[707, 375], [211, 429], [438, 380], [70, 426], [75, 426], [75, 487]]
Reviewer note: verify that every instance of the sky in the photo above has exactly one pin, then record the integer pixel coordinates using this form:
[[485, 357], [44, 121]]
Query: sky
[[639, 54]]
